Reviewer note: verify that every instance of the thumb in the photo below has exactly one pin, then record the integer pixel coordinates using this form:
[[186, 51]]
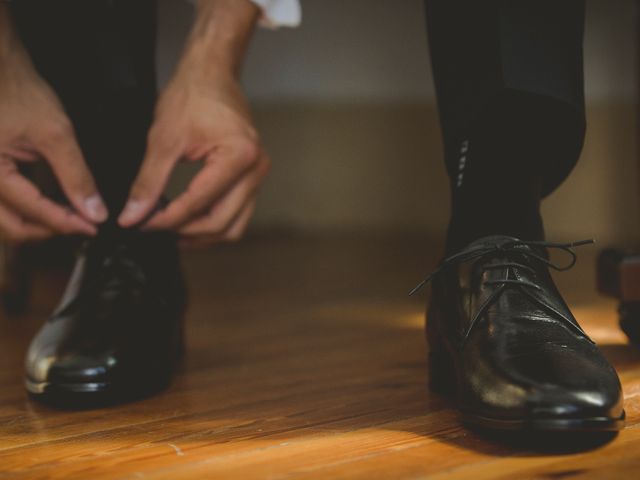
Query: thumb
[[148, 185]]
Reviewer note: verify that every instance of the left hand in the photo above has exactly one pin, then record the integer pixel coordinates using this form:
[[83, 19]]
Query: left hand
[[200, 117]]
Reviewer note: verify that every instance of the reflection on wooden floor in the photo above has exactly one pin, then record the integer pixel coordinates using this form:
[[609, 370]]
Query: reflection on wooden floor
[[307, 360]]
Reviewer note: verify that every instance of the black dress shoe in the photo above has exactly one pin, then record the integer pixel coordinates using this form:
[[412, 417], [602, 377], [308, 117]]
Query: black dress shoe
[[504, 343], [117, 332]]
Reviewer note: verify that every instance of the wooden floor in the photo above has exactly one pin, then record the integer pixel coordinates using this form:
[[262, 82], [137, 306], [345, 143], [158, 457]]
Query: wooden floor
[[306, 360]]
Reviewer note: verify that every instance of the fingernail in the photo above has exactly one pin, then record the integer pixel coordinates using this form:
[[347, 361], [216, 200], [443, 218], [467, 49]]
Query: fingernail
[[131, 212], [95, 208]]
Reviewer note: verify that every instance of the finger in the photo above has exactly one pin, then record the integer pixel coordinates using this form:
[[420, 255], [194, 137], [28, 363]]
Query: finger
[[22, 154], [226, 209], [239, 226], [233, 233], [20, 194], [214, 180], [14, 229], [63, 154], [151, 180]]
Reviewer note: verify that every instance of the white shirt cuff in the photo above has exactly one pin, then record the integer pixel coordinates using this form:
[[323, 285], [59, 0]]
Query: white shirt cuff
[[279, 13]]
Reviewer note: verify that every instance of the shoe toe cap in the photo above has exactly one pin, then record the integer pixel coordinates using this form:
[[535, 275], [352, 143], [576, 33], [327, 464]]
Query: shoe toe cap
[[579, 403], [72, 368]]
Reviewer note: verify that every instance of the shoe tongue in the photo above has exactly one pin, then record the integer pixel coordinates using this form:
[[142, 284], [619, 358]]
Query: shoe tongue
[[143, 246], [115, 233], [110, 233], [492, 240]]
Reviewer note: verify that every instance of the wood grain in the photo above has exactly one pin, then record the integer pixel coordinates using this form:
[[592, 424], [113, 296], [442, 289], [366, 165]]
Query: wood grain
[[306, 360]]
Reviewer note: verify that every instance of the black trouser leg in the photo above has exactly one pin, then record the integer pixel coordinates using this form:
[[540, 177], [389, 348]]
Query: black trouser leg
[[509, 82], [99, 57]]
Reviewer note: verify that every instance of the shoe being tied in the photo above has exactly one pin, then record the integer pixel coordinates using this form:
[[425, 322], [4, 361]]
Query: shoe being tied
[[505, 345], [118, 330]]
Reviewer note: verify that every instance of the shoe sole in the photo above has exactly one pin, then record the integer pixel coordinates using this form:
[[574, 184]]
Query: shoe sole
[[593, 424], [86, 395]]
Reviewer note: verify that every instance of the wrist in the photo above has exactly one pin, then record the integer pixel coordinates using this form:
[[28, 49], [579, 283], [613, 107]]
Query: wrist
[[220, 35]]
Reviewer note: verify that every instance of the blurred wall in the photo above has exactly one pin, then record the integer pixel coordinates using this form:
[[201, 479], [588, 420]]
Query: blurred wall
[[346, 108]]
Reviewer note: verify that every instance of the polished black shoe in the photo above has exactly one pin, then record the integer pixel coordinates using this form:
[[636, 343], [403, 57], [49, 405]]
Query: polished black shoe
[[117, 332], [505, 345]]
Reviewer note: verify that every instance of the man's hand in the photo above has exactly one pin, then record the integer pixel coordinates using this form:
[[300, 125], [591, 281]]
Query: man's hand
[[203, 116], [33, 125]]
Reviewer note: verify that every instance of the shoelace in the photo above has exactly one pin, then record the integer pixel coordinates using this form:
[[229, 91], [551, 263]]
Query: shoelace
[[508, 246], [116, 274], [121, 273]]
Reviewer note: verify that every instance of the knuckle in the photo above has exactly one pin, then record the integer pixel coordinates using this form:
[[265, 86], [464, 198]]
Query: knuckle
[[253, 134], [247, 151], [265, 166]]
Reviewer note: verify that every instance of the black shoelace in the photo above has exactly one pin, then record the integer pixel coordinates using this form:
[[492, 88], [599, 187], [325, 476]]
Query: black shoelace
[[476, 252], [120, 273], [117, 274]]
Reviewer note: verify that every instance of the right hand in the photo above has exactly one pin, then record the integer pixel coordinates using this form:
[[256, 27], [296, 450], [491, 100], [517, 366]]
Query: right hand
[[33, 126]]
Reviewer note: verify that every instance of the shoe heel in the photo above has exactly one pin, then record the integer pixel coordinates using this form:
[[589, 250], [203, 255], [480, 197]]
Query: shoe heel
[[180, 346], [442, 377], [442, 374]]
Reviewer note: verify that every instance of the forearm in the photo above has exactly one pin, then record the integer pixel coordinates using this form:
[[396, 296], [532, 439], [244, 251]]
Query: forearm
[[220, 35], [15, 62], [8, 38]]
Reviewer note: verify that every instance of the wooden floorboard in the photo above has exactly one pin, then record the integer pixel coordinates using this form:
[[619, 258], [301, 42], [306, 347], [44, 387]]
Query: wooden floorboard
[[306, 360]]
